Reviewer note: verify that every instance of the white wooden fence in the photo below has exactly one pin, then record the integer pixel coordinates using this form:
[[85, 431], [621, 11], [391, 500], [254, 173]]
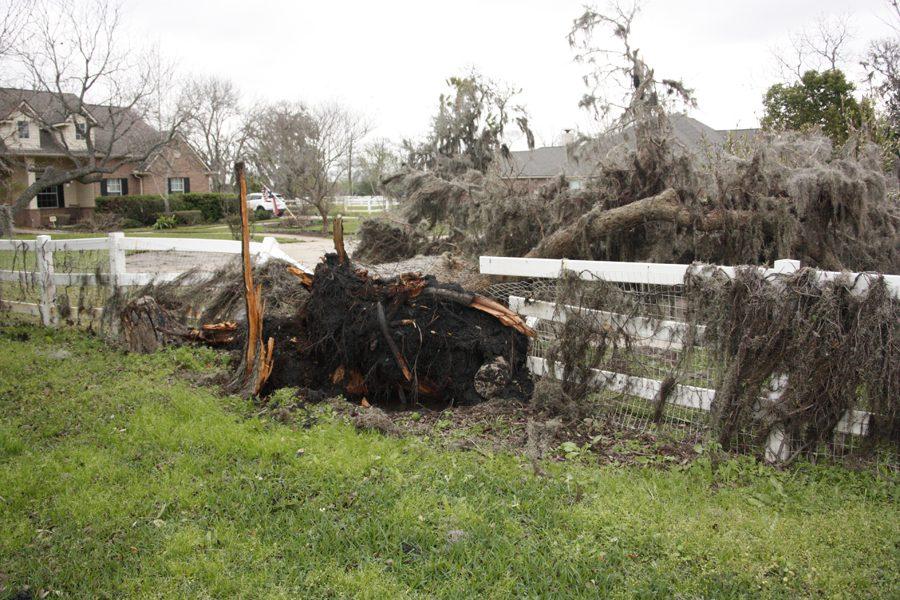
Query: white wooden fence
[[654, 332], [367, 203], [116, 245]]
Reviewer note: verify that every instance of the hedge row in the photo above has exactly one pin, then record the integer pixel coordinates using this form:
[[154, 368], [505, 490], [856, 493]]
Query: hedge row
[[146, 209]]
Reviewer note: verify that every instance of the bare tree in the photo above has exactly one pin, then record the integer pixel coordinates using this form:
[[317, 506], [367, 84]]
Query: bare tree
[[13, 17], [882, 68], [379, 159], [278, 146], [215, 126], [820, 47], [336, 130], [75, 58], [622, 89]]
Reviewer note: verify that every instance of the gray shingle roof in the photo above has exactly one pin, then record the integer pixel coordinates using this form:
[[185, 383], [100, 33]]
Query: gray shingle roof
[[546, 162], [50, 108], [122, 128], [551, 161]]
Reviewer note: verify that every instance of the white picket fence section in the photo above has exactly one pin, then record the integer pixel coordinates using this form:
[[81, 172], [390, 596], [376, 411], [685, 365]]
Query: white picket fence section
[[116, 245], [654, 333], [369, 203]]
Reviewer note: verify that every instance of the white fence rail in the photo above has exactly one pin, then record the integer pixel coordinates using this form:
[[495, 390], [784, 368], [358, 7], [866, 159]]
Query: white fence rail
[[646, 273], [653, 333], [367, 203], [45, 279]]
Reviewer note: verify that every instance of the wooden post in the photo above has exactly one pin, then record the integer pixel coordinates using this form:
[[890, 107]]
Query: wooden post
[[44, 254], [338, 238]]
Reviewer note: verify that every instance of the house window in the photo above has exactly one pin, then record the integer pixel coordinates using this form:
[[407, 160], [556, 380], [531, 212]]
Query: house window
[[114, 187], [179, 185], [80, 131], [50, 197], [24, 130]]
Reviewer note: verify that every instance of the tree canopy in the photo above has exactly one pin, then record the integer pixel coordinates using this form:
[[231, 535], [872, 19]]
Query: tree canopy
[[468, 129], [820, 99]]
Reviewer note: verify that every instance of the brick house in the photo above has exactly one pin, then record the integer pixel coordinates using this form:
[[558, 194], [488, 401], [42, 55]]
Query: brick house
[[36, 131]]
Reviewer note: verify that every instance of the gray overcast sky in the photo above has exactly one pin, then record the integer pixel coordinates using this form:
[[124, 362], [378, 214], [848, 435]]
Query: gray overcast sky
[[389, 59]]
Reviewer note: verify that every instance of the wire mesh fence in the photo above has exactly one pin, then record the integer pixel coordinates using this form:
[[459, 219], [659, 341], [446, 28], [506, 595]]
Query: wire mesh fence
[[72, 281], [649, 366]]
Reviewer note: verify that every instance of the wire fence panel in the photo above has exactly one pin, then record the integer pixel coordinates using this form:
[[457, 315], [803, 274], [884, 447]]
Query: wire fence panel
[[71, 281], [645, 356]]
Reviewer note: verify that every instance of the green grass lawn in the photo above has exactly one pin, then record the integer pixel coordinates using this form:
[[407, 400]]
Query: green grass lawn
[[120, 479]]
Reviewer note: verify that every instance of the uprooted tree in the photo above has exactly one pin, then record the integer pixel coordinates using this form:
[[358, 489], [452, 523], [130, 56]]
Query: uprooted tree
[[407, 338], [649, 199]]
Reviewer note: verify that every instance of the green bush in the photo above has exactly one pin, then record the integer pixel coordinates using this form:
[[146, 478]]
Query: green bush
[[213, 206], [188, 217], [165, 222], [261, 214], [146, 209]]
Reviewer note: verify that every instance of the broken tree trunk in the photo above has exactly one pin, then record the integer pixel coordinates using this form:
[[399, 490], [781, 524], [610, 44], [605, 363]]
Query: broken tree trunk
[[599, 222], [257, 360], [146, 326]]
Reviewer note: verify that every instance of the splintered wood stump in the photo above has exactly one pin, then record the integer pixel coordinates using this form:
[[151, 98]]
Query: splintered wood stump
[[146, 326], [258, 358]]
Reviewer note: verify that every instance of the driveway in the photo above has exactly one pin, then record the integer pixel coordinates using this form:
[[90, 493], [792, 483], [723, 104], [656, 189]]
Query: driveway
[[309, 249]]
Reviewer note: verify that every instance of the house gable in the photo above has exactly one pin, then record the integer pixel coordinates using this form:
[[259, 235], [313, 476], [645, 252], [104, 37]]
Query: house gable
[[10, 134]]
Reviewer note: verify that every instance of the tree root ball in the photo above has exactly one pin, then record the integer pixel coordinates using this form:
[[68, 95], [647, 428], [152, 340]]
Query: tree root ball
[[389, 339]]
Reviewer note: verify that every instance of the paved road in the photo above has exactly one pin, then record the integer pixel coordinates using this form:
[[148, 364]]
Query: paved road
[[309, 249]]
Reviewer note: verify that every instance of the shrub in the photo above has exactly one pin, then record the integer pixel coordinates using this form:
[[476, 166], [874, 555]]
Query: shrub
[[188, 217], [234, 225], [261, 214], [301, 222], [146, 209], [101, 222], [214, 207], [165, 222]]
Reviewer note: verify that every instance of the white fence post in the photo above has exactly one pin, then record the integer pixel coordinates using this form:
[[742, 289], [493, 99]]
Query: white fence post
[[368, 204], [44, 256], [778, 443], [116, 270], [116, 259]]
